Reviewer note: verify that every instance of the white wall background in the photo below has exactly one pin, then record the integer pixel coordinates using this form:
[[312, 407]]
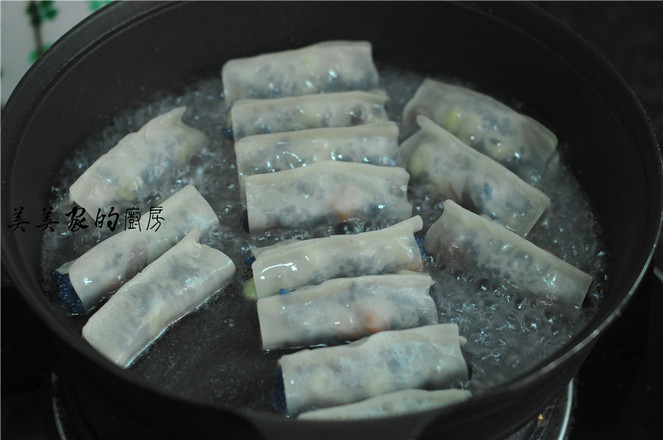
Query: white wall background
[[17, 35]]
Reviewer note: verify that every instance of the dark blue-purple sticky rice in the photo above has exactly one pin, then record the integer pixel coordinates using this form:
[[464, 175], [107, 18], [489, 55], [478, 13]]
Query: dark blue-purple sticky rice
[[420, 242], [278, 396], [66, 293]]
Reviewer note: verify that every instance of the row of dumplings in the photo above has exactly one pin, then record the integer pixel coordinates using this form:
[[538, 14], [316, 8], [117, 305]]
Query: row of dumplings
[[152, 278], [293, 173], [311, 147], [326, 155]]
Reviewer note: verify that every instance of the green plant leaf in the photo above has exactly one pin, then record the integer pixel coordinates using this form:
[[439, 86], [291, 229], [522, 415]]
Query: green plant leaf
[[98, 4]]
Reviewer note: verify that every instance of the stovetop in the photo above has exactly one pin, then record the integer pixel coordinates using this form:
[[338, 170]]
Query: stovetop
[[617, 393]]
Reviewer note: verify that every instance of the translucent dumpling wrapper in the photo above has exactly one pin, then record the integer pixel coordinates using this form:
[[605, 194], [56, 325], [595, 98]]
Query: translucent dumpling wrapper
[[298, 263], [426, 357], [115, 260], [342, 109], [390, 404], [138, 164], [375, 144], [448, 167], [173, 285], [475, 244], [328, 193], [332, 66], [344, 309], [516, 141]]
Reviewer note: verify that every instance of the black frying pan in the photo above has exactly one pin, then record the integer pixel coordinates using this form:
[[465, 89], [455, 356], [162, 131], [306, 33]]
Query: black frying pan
[[130, 52]]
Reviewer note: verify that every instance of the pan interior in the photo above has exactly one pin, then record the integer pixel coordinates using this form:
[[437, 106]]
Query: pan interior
[[214, 354]]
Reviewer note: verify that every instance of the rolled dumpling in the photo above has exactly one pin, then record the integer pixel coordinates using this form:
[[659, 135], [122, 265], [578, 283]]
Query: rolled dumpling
[[344, 309], [115, 260], [516, 141], [171, 286], [137, 164], [426, 357], [298, 263], [342, 109], [375, 144], [331, 66], [473, 243], [328, 193], [448, 167]]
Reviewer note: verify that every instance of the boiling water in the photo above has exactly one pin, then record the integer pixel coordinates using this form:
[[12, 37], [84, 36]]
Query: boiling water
[[214, 353]]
